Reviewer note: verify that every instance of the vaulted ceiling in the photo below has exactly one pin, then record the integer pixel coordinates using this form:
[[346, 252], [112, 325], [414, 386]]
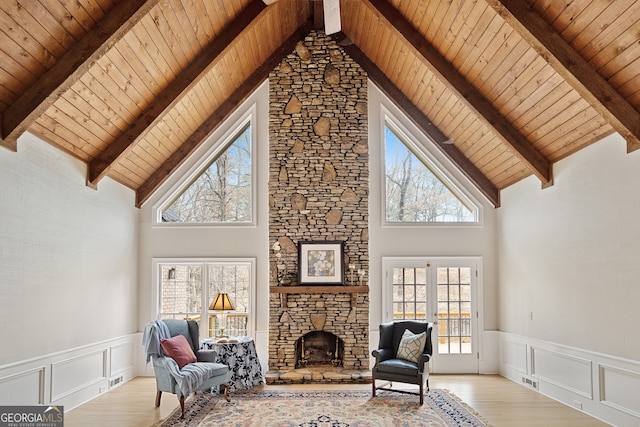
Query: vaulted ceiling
[[505, 88]]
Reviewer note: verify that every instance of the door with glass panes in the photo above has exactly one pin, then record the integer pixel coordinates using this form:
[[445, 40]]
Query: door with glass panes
[[442, 291]]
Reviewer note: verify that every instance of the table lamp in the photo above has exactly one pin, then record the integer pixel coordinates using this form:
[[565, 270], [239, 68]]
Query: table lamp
[[221, 303]]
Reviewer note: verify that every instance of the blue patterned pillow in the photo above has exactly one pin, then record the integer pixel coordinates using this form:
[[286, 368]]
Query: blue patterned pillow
[[411, 346]]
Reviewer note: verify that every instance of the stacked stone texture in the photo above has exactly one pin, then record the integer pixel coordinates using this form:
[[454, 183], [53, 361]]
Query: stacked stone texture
[[290, 323], [318, 188]]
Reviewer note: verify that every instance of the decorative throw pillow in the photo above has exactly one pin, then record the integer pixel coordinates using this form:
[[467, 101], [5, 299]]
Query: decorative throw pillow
[[178, 349], [411, 346]]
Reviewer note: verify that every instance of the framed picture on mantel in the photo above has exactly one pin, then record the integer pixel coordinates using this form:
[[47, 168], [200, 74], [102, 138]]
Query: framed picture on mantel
[[321, 263]]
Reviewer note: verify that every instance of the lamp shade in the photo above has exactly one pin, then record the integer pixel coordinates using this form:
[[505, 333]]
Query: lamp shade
[[221, 302]]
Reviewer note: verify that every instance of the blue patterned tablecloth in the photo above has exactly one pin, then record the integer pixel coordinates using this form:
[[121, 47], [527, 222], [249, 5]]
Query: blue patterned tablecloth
[[242, 360]]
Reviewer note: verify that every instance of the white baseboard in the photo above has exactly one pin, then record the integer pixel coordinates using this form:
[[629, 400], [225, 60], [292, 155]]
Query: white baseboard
[[603, 386], [72, 377]]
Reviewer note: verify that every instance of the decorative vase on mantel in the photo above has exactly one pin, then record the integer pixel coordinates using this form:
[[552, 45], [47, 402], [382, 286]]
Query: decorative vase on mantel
[[283, 277], [286, 279]]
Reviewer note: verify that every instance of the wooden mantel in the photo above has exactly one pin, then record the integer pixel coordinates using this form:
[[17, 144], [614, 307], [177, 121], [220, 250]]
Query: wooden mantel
[[319, 289]]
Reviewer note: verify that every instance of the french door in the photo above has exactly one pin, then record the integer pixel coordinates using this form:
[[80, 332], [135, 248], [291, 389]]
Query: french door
[[443, 291]]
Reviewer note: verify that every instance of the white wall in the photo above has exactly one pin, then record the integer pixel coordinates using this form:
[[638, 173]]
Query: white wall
[[569, 287], [68, 272], [569, 253]]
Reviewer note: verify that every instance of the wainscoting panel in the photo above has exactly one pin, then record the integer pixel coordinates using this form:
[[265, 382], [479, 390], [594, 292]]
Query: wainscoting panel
[[514, 355], [603, 386], [71, 377], [262, 348], [489, 353], [569, 372], [23, 388], [620, 389], [121, 365]]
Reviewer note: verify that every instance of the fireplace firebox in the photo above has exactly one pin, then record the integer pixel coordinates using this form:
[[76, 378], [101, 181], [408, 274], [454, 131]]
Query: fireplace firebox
[[319, 348]]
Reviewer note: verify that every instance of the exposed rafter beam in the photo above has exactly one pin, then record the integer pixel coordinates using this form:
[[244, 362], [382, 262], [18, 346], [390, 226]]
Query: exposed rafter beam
[[484, 185], [185, 81], [318, 14], [466, 92], [68, 69], [219, 116], [622, 116]]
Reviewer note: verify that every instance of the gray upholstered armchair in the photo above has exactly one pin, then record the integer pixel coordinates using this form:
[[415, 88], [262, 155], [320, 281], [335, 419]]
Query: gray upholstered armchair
[[404, 361], [199, 375]]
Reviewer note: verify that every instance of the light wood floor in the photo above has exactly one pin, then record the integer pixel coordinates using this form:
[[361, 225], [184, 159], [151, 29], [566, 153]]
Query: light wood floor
[[500, 401]]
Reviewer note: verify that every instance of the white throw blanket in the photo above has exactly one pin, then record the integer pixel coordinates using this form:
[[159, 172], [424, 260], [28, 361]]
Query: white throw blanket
[[153, 333], [190, 376]]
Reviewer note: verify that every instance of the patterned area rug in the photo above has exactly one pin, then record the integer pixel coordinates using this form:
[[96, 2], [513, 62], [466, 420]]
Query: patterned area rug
[[325, 409]]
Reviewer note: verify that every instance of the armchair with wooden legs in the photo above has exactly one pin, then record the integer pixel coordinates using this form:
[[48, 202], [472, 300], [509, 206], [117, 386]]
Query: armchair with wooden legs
[[208, 374], [403, 355]]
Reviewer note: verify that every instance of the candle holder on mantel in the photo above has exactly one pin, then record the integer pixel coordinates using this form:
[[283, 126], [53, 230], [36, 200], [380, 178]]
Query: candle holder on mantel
[[352, 267]]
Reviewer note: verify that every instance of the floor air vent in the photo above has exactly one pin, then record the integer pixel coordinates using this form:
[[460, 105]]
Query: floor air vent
[[115, 381], [531, 383]]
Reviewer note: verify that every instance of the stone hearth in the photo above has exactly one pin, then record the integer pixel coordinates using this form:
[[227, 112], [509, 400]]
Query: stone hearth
[[319, 375]]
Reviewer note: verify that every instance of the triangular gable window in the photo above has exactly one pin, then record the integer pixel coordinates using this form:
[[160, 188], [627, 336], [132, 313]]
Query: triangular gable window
[[223, 191], [415, 191]]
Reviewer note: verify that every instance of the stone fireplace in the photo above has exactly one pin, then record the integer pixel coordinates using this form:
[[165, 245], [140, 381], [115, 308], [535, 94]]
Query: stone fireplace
[[318, 191], [325, 319]]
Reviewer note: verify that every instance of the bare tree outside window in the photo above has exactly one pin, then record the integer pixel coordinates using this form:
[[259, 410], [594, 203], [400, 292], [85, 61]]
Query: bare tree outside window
[[223, 192], [414, 194]]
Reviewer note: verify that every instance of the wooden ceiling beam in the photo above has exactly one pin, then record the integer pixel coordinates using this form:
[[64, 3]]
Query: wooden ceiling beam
[[102, 164], [466, 92], [318, 14], [218, 117], [28, 107], [482, 183], [622, 116]]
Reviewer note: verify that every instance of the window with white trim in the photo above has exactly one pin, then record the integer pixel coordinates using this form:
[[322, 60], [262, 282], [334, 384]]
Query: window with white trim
[[222, 191], [416, 191], [186, 290], [409, 284]]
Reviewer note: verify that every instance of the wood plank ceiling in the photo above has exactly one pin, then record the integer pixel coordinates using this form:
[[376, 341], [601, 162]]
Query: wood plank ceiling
[[506, 88]]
